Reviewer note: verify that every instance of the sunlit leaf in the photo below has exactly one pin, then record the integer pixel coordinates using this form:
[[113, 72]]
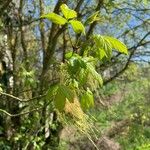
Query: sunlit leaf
[[68, 55], [103, 45], [83, 75], [102, 54], [87, 100], [117, 44], [77, 26], [68, 13], [55, 18], [75, 65]]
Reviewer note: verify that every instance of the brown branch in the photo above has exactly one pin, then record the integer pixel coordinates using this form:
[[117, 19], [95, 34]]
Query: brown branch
[[42, 27], [64, 46], [79, 5], [52, 41], [92, 26], [21, 100], [22, 32], [19, 114], [134, 28]]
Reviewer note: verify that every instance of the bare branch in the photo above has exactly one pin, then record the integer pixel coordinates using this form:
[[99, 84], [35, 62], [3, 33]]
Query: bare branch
[[20, 114], [21, 100]]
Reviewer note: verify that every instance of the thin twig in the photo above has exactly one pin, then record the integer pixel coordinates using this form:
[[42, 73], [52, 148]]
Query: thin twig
[[21, 100], [23, 113]]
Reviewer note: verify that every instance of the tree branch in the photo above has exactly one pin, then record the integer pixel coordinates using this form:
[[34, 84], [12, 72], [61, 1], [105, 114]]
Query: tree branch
[[21, 100], [19, 114], [128, 61], [92, 26]]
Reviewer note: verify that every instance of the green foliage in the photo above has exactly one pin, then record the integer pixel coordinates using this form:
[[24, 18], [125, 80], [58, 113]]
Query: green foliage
[[27, 77], [87, 100], [77, 26], [55, 18], [68, 13], [116, 44], [60, 93], [105, 44], [96, 76], [144, 147], [78, 78], [51, 91], [83, 70], [133, 105], [63, 94]]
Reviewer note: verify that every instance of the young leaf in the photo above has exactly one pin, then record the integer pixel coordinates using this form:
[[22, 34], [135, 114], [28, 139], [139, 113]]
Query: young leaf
[[103, 45], [102, 54], [68, 55], [60, 100], [69, 94], [87, 100], [92, 18], [75, 65], [68, 13], [51, 91], [83, 75], [77, 26], [55, 18], [95, 74], [116, 44], [63, 93]]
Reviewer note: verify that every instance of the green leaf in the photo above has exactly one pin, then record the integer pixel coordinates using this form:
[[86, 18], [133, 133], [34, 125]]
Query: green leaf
[[68, 55], [75, 65], [69, 94], [83, 75], [55, 18], [95, 74], [51, 91], [77, 26], [102, 54], [103, 45], [68, 13], [60, 100], [87, 100], [92, 18], [117, 44], [63, 93]]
